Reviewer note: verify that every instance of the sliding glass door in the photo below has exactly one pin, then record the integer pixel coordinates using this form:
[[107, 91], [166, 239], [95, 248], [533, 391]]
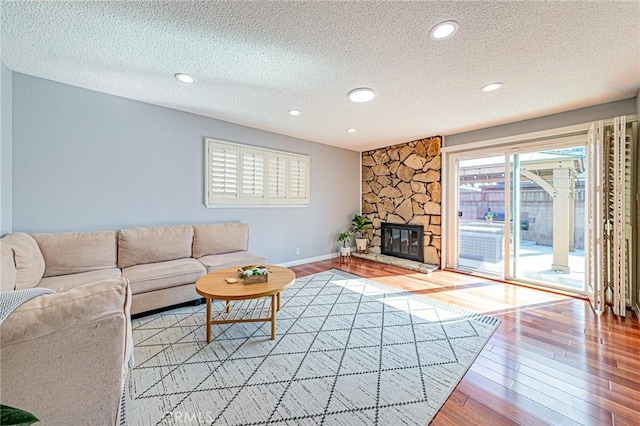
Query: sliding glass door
[[520, 213], [481, 198], [547, 226]]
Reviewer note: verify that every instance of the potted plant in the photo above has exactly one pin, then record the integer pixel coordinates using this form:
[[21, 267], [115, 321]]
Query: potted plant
[[360, 225], [254, 274], [488, 216], [344, 238]]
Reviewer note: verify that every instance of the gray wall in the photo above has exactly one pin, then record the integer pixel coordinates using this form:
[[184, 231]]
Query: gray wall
[[563, 119], [6, 122], [84, 160]]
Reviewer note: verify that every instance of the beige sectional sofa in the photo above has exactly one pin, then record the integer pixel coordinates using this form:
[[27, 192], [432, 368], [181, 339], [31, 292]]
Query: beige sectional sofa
[[161, 263], [64, 356]]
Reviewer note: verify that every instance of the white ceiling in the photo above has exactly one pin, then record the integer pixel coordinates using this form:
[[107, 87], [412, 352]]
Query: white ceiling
[[254, 61]]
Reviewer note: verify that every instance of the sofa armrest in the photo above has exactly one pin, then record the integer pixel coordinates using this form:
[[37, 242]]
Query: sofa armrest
[[63, 356], [51, 312]]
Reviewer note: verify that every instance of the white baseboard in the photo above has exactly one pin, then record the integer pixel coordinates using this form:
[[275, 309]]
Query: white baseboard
[[308, 260]]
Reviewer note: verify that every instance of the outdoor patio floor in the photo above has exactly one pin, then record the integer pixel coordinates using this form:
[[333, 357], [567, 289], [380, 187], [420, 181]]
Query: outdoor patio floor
[[534, 263]]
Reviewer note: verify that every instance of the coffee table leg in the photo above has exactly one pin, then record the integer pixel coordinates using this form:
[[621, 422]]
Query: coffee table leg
[[228, 306], [279, 301], [208, 320], [273, 317]]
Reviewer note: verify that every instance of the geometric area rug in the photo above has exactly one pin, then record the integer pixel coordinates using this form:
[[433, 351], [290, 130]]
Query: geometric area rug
[[348, 351]]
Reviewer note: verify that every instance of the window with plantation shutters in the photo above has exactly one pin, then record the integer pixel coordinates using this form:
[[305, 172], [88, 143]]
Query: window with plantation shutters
[[243, 175]]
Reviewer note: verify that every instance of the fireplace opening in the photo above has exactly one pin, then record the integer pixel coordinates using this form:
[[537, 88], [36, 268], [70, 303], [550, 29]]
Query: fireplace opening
[[405, 241]]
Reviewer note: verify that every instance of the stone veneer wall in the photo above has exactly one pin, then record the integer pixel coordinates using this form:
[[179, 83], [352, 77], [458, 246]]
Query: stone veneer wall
[[401, 184]]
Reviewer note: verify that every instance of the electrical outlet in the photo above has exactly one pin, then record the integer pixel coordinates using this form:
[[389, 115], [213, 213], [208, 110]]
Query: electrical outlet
[[297, 250]]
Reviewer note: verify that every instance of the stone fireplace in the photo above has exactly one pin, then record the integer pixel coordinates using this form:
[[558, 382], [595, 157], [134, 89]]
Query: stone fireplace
[[401, 185]]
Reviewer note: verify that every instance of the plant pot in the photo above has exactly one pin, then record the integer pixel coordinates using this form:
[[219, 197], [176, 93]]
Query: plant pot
[[253, 279], [344, 251], [361, 245]]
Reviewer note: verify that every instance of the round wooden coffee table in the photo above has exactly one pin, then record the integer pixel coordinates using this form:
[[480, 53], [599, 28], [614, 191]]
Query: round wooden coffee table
[[245, 302]]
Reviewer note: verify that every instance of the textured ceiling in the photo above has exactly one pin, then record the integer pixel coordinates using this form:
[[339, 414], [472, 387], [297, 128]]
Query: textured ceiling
[[254, 61]]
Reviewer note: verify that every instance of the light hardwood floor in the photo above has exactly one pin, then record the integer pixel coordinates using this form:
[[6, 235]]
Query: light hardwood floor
[[551, 361]]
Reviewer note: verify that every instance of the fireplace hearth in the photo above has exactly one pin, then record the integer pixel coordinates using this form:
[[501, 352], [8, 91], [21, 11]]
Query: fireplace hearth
[[401, 240]]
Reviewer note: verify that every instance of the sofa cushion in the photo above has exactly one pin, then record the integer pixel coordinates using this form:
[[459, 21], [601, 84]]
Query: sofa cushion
[[27, 257], [138, 246], [74, 252], [155, 276], [8, 272], [62, 283], [227, 260], [220, 238]]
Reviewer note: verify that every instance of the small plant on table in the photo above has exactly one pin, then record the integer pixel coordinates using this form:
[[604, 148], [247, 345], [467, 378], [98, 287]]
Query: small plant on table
[[254, 274]]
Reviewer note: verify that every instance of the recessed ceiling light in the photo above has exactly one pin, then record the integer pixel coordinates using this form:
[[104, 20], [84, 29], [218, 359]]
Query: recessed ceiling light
[[294, 112], [185, 78], [443, 30], [351, 130], [491, 87], [362, 94]]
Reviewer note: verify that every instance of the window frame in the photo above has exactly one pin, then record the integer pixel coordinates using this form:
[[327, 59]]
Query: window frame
[[240, 199]]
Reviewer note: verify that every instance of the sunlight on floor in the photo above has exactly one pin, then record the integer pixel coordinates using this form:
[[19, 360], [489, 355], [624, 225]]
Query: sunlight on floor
[[473, 293], [369, 288]]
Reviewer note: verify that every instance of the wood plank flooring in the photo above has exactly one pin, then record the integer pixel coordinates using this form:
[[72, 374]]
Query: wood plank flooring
[[551, 361]]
